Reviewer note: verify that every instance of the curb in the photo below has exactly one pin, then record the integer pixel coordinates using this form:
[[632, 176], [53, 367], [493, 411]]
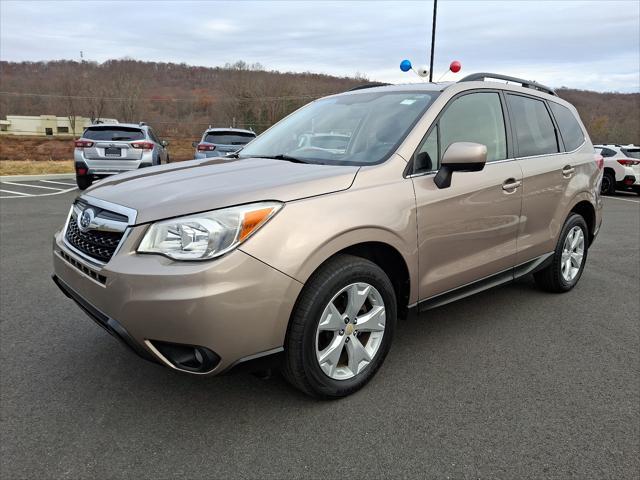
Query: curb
[[50, 176]]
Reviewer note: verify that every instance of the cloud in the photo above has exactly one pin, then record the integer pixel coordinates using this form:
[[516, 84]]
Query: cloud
[[583, 44]]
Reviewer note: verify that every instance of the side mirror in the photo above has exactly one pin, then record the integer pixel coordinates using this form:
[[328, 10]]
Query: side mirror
[[460, 157], [194, 144], [164, 143]]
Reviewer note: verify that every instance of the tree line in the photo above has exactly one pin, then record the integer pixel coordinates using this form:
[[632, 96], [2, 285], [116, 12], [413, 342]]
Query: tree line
[[182, 100]]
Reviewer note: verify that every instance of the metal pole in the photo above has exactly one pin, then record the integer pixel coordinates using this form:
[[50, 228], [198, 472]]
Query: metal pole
[[433, 39]]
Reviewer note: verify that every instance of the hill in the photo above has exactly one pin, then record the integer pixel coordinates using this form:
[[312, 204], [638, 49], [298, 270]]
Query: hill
[[180, 100]]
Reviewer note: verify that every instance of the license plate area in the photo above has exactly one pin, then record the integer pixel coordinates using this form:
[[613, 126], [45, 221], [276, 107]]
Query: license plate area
[[113, 151]]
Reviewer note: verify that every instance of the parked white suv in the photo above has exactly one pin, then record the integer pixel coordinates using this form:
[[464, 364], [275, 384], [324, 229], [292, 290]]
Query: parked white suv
[[621, 168]]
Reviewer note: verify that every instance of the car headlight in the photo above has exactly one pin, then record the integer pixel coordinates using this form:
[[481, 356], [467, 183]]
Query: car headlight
[[207, 235]]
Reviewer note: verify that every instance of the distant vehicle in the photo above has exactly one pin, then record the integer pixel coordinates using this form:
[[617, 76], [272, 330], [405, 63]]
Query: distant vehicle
[[107, 149], [217, 142], [621, 168]]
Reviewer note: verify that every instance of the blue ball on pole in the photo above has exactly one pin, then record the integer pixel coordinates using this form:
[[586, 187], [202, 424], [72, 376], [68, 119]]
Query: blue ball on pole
[[405, 65]]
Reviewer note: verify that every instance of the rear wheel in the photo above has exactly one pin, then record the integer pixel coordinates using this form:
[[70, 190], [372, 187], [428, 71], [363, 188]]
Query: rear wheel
[[84, 181], [341, 328], [569, 257], [608, 186]]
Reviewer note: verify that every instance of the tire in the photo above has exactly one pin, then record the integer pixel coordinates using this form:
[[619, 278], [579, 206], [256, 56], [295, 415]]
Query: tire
[[554, 278], [608, 186], [84, 182], [333, 284]]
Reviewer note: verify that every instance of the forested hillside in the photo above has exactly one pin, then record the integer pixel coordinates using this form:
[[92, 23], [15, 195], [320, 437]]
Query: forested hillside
[[182, 100]]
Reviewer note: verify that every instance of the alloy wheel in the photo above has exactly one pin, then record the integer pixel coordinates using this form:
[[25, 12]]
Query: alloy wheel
[[572, 254], [350, 331]]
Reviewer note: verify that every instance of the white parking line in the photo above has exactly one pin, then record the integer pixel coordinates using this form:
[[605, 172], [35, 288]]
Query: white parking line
[[17, 193], [59, 183], [35, 195], [623, 199], [32, 186]]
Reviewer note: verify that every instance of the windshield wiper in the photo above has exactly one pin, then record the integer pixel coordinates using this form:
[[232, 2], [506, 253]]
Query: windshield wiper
[[282, 156]]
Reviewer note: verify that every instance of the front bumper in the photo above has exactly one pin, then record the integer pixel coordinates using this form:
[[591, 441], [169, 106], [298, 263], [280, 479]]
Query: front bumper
[[235, 306]]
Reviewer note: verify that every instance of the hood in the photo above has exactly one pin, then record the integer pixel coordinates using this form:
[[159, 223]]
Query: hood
[[199, 185]]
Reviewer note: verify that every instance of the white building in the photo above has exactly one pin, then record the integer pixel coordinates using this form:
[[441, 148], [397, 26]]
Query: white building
[[46, 125]]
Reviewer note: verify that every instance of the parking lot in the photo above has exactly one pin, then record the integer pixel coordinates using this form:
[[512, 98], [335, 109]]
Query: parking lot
[[511, 383]]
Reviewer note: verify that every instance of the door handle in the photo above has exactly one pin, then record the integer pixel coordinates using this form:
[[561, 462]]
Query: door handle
[[568, 171], [510, 185]]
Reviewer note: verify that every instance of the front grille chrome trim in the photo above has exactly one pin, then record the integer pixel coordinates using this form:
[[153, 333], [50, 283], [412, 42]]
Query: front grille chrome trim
[[130, 213], [105, 225]]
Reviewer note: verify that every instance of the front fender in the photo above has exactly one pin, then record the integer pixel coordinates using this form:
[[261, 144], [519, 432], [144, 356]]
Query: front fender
[[307, 232]]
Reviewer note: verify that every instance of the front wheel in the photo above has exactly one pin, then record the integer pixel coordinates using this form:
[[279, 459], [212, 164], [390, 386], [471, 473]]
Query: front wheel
[[569, 258], [341, 328]]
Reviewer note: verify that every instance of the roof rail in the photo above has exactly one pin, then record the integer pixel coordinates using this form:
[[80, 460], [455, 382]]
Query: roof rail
[[368, 85], [525, 83]]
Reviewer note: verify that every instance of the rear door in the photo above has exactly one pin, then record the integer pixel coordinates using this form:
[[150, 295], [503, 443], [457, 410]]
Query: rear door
[[551, 175], [113, 143], [467, 232]]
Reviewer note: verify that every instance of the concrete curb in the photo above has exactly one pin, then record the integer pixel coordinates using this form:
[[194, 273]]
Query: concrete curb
[[50, 176]]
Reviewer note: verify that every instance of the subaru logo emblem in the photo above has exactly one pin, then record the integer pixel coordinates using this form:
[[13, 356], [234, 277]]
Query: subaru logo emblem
[[85, 219]]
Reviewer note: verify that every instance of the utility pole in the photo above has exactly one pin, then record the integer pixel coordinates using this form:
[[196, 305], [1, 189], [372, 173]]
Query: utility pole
[[433, 39]]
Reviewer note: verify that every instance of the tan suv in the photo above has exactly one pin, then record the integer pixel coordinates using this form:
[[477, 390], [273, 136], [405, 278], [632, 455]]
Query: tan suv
[[300, 254]]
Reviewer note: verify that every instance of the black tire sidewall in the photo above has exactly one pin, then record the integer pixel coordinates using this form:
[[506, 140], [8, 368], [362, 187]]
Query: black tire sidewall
[[363, 271], [84, 182], [612, 184]]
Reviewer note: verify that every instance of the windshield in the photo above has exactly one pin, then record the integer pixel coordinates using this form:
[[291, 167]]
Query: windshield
[[354, 129], [113, 134], [229, 138]]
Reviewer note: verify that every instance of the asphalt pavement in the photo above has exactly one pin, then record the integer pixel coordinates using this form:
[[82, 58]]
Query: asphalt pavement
[[511, 383]]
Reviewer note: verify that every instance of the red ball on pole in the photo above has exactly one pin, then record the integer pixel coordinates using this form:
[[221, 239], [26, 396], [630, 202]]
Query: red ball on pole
[[455, 66]]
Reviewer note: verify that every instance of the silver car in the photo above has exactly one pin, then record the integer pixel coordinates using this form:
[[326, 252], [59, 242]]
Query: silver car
[[217, 142], [107, 149]]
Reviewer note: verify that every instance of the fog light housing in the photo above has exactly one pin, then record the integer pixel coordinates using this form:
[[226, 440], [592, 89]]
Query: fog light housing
[[190, 358]]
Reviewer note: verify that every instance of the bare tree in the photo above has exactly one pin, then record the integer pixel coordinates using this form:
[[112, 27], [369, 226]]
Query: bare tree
[[71, 86]]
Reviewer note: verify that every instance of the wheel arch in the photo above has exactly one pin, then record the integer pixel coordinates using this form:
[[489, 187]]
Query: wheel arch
[[586, 210], [384, 253]]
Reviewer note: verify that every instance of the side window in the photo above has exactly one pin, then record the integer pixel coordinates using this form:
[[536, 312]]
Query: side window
[[570, 130], [426, 157], [476, 117], [534, 128], [607, 152]]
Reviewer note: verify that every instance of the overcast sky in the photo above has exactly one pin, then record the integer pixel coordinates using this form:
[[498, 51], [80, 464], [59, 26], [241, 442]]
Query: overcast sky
[[581, 44]]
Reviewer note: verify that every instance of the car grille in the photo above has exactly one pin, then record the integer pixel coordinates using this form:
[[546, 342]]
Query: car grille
[[96, 244]]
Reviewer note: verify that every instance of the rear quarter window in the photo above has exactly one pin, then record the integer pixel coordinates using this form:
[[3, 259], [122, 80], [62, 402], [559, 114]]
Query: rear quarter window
[[572, 134], [607, 152], [111, 134]]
